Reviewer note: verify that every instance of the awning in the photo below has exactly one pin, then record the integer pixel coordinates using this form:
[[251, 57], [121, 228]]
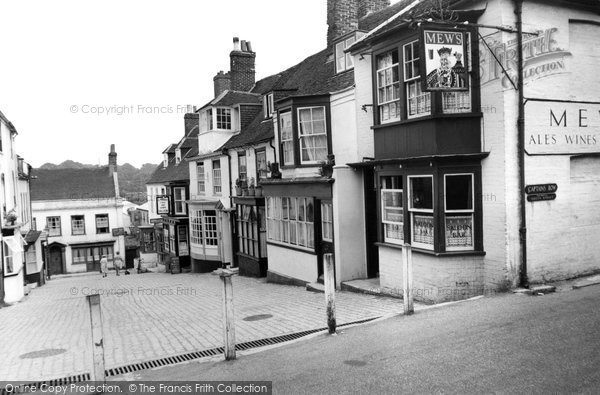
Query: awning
[[15, 243], [392, 161]]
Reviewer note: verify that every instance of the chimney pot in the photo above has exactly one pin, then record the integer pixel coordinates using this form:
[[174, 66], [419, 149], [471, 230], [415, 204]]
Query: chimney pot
[[236, 44]]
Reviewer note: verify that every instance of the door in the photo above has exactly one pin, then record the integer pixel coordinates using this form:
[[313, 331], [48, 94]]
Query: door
[[130, 255], [326, 232], [56, 261], [371, 221]]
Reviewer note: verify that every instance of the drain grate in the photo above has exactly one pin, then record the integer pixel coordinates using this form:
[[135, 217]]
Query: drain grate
[[156, 363], [17, 389]]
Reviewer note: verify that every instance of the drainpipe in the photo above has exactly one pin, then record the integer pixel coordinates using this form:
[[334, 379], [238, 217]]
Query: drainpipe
[[523, 280]]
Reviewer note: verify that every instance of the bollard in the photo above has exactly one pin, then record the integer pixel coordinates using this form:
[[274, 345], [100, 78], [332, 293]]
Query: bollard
[[407, 276], [330, 291], [97, 338], [228, 323]]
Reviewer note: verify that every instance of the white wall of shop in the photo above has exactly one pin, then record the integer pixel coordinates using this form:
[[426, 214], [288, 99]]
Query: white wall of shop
[[292, 263]]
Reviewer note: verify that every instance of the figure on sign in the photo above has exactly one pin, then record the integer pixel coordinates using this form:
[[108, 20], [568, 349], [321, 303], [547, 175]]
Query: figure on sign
[[446, 75]]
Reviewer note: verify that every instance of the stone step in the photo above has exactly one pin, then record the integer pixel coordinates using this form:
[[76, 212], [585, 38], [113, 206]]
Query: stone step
[[536, 290]]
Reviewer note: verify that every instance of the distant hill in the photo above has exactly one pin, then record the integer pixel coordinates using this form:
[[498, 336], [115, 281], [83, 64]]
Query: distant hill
[[132, 181]]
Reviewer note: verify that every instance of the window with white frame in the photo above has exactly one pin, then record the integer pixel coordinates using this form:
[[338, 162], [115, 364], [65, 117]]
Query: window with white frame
[[9, 265], [327, 221], [177, 156], [268, 105], [418, 102], [216, 165], [459, 209], [179, 200], [388, 86], [200, 176], [343, 61], [287, 137], [420, 197], [211, 234], [53, 224], [102, 225], [290, 221], [312, 133], [242, 166], [261, 164], [77, 225], [459, 101], [209, 119], [196, 227], [224, 118], [392, 210]]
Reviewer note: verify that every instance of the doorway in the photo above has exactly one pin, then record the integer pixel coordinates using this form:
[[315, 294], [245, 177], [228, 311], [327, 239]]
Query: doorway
[[56, 260]]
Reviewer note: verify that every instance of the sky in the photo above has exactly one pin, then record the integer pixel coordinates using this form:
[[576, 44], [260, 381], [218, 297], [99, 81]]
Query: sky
[[77, 76]]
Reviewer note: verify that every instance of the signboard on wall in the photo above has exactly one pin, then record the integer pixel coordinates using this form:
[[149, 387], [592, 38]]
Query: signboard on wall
[[561, 128], [162, 204], [443, 60]]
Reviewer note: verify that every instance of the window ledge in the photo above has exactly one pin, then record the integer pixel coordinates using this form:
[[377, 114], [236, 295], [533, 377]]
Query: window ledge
[[429, 117], [292, 247], [434, 253]]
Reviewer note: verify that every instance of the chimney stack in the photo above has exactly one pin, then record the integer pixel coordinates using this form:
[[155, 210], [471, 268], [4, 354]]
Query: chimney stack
[[343, 15], [191, 120], [222, 82], [242, 66], [112, 160]]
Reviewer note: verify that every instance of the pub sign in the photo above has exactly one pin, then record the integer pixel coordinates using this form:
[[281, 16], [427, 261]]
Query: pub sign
[[162, 204], [444, 60]]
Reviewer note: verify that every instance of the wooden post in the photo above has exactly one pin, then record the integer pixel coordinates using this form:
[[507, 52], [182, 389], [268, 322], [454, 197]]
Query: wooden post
[[228, 323], [407, 276], [97, 338], [330, 291]]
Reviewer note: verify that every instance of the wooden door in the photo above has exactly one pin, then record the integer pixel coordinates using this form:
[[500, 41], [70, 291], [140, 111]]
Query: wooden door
[[56, 261]]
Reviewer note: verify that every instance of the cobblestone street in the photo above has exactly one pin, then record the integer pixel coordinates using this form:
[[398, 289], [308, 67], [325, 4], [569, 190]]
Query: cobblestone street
[[155, 315]]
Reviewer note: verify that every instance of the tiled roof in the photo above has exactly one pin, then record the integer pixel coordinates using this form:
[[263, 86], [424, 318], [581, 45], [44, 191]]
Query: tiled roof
[[373, 20], [259, 130], [177, 171], [266, 84], [32, 236], [58, 184], [316, 75]]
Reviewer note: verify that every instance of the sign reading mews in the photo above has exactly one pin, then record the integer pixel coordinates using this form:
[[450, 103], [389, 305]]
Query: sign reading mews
[[553, 127], [119, 232], [162, 204], [541, 188], [443, 60]]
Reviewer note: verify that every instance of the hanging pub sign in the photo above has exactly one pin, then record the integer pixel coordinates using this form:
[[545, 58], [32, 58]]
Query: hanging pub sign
[[162, 204], [444, 60]]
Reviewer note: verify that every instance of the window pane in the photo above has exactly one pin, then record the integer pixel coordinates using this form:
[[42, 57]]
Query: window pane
[[459, 232], [422, 230], [421, 193], [459, 192]]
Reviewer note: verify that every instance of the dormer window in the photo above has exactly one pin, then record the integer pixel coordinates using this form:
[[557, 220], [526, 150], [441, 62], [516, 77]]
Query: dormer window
[[268, 105], [343, 60], [177, 156], [224, 118], [165, 160]]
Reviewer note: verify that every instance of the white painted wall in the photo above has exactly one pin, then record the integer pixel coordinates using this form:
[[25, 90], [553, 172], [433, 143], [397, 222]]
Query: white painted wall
[[292, 263]]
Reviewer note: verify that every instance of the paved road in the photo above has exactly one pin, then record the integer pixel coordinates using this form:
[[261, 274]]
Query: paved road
[[503, 344], [47, 336]]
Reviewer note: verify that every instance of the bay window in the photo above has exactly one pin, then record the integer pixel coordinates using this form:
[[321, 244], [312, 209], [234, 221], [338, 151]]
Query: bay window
[[418, 102], [287, 138], [459, 209], [290, 221], [312, 133], [203, 228], [420, 197], [392, 211], [224, 118], [388, 87], [251, 230]]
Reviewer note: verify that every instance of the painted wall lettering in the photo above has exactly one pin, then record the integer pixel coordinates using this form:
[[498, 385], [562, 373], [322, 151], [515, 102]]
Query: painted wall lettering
[[562, 128]]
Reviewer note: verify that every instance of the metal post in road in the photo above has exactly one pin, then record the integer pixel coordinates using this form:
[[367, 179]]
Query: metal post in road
[[228, 322], [330, 291], [97, 338], [407, 279]]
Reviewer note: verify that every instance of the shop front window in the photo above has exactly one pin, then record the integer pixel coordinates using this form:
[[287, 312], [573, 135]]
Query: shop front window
[[392, 211], [458, 196], [421, 209], [290, 221]]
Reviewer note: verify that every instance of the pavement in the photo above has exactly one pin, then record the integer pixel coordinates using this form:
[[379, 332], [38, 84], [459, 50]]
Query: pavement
[[507, 343], [153, 315]]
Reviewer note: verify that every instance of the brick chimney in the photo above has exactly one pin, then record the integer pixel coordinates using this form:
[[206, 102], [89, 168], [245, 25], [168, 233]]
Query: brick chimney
[[112, 160], [222, 82], [343, 15], [191, 120], [242, 71]]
